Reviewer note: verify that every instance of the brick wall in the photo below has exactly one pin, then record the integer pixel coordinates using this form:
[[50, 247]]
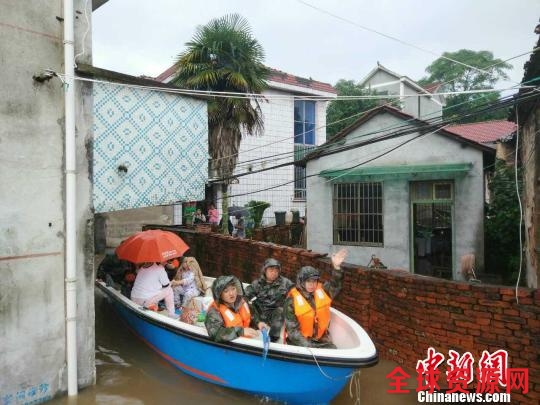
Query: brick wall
[[403, 313]]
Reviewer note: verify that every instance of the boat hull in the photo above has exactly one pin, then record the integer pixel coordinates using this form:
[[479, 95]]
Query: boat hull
[[294, 379]]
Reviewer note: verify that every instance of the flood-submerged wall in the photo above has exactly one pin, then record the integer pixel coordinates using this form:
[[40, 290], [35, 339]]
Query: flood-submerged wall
[[403, 313]]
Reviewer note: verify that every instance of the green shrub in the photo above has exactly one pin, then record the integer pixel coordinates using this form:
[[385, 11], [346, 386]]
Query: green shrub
[[256, 211]]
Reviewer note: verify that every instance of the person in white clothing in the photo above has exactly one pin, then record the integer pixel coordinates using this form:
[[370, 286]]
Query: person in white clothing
[[151, 286]]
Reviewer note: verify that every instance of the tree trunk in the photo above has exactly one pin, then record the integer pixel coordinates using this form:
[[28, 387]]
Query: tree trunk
[[225, 209]]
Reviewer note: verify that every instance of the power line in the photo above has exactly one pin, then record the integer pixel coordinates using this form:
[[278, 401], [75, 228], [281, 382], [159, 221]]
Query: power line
[[390, 37], [356, 145]]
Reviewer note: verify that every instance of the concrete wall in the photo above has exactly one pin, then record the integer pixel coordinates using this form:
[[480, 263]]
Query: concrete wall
[[430, 149], [423, 107], [380, 78], [32, 331], [420, 107], [121, 224]]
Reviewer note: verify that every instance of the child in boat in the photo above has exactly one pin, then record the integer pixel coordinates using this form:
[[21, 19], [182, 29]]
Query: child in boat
[[228, 316], [267, 294], [307, 307], [151, 286], [188, 282]]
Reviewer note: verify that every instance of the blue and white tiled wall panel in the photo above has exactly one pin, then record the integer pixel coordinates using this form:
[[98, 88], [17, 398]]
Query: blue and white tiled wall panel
[[150, 148]]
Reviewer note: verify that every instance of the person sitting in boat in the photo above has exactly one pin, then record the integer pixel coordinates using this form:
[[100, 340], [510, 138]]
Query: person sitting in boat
[[267, 294], [307, 306], [228, 316], [116, 272], [188, 282], [151, 286], [172, 266]]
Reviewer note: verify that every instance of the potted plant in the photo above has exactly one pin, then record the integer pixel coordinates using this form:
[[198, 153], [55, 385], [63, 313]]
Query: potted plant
[[256, 211]]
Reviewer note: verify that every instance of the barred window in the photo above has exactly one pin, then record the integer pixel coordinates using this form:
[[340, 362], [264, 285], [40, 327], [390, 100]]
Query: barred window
[[358, 214], [299, 182]]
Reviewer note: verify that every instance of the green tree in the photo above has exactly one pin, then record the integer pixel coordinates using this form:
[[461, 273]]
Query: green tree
[[502, 224], [223, 56], [342, 113], [457, 77]]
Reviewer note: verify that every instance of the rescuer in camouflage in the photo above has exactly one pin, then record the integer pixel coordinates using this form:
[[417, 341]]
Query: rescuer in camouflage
[[266, 296], [332, 287], [232, 298]]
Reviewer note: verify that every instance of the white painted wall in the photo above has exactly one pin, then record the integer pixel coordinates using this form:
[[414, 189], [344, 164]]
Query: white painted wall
[[423, 107], [32, 332], [431, 149], [278, 139]]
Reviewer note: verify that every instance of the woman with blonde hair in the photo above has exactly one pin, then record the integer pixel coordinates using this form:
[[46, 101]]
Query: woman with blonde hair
[[188, 282]]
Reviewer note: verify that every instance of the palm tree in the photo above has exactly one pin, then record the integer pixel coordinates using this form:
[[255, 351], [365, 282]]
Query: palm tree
[[223, 56]]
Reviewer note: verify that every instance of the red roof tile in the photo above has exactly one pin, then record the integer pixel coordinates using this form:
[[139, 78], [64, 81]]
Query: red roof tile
[[276, 76], [484, 132], [431, 87], [165, 74], [286, 78]]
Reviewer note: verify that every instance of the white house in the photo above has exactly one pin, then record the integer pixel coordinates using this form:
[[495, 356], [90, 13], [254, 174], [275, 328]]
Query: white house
[[418, 101], [292, 125], [413, 197]]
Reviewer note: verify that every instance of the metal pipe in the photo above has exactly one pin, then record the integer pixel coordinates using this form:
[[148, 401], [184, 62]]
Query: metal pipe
[[70, 199]]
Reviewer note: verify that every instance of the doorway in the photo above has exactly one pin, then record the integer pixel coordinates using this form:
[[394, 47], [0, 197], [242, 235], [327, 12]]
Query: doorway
[[432, 228]]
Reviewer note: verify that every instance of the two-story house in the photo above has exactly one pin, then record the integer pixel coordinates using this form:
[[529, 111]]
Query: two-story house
[[293, 124]]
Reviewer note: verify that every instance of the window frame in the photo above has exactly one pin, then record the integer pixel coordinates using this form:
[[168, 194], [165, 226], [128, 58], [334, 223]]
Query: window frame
[[299, 173], [305, 132], [355, 213]]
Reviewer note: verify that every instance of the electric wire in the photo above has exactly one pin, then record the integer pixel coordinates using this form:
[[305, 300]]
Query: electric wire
[[520, 211], [390, 37], [357, 145], [405, 131]]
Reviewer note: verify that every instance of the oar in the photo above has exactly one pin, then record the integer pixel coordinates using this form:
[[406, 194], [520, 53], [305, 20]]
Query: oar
[[266, 343]]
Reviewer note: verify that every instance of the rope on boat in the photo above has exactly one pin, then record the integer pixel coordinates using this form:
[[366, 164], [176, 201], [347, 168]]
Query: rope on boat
[[326, 375], [354, 388], [354, 384]]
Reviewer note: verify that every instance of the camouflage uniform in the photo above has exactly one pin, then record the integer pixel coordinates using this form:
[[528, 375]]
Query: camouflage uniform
[[214, 321], [266, 299], [113, 271], [292, 326]]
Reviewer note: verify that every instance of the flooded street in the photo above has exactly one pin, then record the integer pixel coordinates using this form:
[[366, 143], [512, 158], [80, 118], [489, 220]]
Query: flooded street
[[130, 373]]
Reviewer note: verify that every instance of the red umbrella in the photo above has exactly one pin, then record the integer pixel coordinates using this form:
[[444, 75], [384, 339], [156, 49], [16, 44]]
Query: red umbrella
[[153, 245]]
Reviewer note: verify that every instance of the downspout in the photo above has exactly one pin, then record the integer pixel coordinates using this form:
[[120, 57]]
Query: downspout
[[70, 199]]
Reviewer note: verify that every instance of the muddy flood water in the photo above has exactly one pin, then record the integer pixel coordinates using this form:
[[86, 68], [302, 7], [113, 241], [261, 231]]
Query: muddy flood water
[[130, 373]]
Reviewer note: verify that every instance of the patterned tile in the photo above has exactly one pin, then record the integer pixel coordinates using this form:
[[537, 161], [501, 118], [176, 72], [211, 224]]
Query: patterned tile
[[162, 140]]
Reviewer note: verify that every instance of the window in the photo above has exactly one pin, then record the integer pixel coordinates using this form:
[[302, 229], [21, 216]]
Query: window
[[304, 122], [358, 214], [304, 140], [431, 190], [299, 182]]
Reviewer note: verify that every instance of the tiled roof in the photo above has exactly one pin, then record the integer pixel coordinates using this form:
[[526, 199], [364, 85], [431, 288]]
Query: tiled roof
[[276, 76], [431, 87], [404, 116], [165, 74], [484, 132], [286, 78]]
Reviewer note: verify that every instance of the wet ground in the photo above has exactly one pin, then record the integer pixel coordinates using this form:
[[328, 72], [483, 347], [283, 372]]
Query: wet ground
[[129, 373]]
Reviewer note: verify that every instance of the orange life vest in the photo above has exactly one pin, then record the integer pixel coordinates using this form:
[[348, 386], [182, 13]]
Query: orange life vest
[[241, 318], [307, 316]]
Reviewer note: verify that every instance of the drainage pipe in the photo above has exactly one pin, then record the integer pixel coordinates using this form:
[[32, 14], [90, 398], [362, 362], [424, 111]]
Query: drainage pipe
[[70, 199]]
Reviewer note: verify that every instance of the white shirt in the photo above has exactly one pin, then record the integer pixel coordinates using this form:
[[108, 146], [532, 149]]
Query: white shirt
[[149, 281]]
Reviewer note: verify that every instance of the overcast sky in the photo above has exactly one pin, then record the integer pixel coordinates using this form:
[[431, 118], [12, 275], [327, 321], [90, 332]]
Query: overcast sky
[[143, 37]]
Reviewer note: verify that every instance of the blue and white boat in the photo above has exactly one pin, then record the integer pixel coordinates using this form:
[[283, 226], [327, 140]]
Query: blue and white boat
[[285, 373]]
